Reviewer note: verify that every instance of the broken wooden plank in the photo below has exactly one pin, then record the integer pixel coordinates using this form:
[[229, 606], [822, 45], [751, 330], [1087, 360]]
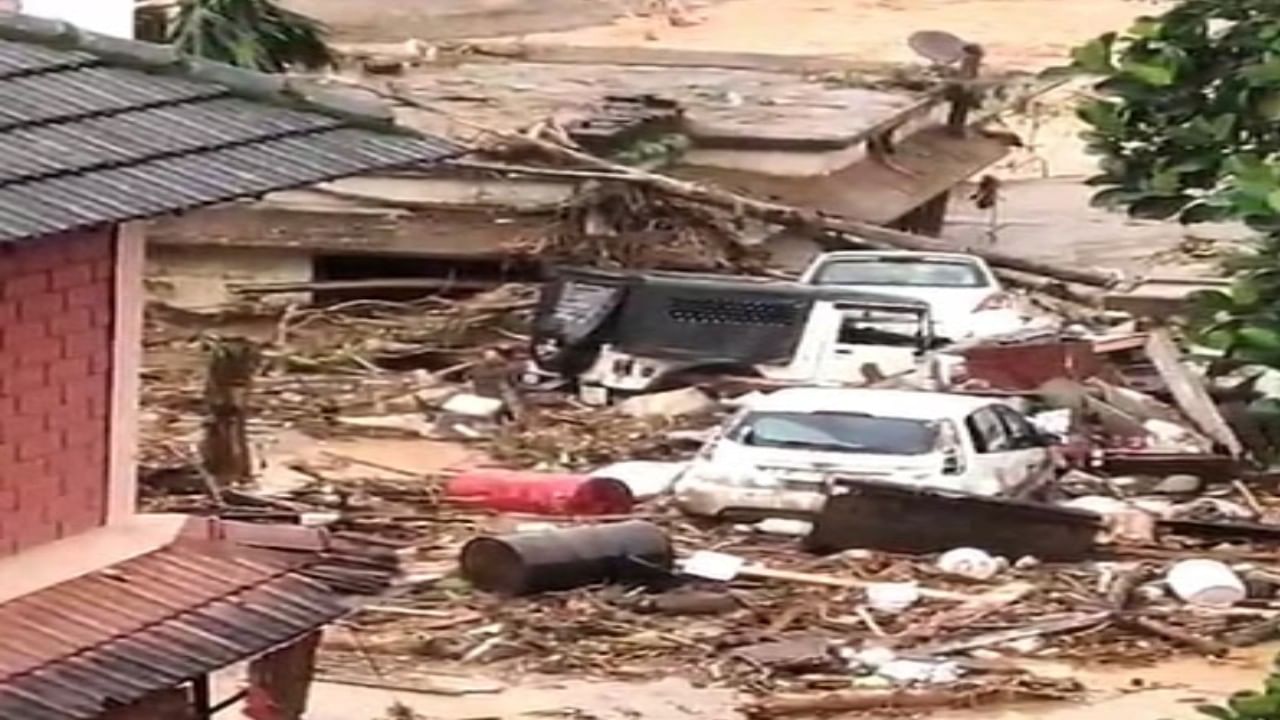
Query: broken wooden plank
[[1254, 634], [1072, 395], [1054, 626], [1189, 392], [763, 573], [1150, 626], [428, 284]]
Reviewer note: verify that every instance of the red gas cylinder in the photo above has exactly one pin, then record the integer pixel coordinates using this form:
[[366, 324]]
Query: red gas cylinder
[[540, 493]]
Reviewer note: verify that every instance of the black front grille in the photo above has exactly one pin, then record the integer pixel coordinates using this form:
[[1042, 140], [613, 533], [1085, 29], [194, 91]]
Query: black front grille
[[732, 312]]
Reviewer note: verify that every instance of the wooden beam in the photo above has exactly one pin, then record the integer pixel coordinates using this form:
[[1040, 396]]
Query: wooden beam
[[430, 284], [1189, 392]]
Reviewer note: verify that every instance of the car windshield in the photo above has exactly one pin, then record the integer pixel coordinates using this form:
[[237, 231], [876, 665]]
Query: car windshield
[[910, 272], [838, 432], [880, 327]]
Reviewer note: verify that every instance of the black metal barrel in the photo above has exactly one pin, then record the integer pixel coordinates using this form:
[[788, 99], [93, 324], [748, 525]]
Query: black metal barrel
[[525, 563]]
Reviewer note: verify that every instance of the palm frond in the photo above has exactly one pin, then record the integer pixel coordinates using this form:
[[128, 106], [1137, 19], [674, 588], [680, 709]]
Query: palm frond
[[254, 34]]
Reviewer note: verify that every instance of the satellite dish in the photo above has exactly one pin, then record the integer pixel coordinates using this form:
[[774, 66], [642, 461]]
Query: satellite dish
[[938, 46]]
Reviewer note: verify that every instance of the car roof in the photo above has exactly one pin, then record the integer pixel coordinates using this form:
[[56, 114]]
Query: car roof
[[740, 283], [923, 255], [912, 404]]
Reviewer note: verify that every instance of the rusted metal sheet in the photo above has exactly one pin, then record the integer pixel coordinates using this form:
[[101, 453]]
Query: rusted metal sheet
[[112, 637], [901, 518], [1213, 468], [1027, 366]]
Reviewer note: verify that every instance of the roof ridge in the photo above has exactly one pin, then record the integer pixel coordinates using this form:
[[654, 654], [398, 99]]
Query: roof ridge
[[149, 57]]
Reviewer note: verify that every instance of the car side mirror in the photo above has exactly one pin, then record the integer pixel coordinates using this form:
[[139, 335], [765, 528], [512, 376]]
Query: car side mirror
[[951, 464], [1045, 439]]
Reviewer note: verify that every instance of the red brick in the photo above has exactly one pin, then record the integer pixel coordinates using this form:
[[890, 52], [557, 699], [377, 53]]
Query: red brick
[[41, 306], [90, 296], [40, 402], [105, 270], [24, 285], [71, 321], [75, 368], [40, 446], [55, 356], [100, 362], [71, 276], [103, 316], [25, 380], [41, 353], [20, 335], [8, 454], [84, 344]]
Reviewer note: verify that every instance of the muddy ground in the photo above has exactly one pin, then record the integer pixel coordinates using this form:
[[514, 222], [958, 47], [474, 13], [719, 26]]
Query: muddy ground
[[440, 19], [1016, 33]]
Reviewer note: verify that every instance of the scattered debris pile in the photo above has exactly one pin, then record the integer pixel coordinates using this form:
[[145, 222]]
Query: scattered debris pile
[[1157, 501]]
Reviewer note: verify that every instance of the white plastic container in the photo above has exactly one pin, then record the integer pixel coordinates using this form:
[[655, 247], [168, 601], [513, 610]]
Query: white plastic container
[[892, 597], [1207, 583], [970, 563]]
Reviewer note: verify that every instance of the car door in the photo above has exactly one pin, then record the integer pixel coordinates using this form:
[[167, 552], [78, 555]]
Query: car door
[[1029, 456], [991, 467]]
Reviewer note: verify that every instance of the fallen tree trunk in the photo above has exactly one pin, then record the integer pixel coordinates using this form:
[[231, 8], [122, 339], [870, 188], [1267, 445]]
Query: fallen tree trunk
[[778, 214]]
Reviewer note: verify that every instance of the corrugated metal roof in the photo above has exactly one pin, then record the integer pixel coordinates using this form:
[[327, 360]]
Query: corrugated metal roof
[[89, 138], [72, 650]]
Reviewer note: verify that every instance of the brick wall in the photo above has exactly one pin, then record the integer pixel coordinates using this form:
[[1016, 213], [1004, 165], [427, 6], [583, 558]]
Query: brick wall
[[56, 315]]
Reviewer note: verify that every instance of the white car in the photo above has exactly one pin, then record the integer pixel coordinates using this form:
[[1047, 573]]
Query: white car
[[775, 456], [965, 298]]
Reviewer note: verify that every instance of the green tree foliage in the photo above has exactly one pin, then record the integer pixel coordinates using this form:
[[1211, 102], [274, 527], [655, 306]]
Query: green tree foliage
[[255, 34], [1186, 125]]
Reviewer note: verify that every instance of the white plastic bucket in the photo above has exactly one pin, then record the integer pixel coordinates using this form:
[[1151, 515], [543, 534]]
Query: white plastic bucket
[[1207, 583], [969, 562]]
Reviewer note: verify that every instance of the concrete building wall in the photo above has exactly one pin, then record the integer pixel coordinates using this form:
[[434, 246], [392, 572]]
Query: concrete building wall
[[201, 278], [57, 316]]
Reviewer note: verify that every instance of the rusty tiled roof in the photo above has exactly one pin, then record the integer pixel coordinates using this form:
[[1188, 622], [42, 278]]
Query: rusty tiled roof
[[73, 650]]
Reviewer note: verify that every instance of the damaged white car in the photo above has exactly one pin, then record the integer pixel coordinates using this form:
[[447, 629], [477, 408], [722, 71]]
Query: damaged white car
[[627, 332], [964, 296], [776, 456]]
